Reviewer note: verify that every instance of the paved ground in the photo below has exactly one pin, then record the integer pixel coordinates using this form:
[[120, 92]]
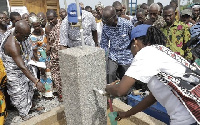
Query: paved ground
[[14, 119]]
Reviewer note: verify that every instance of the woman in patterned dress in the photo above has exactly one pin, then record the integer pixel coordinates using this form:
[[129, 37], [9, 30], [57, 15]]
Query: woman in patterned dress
[[39, 43]]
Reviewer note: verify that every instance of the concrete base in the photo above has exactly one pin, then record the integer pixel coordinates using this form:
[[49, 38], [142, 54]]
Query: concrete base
[[57, 117], [54, 117], [138, 119]]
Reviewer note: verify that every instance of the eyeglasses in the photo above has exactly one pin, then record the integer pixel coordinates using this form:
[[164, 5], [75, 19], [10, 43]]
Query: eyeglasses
[[119, 10], [106, 21], [1, 18]]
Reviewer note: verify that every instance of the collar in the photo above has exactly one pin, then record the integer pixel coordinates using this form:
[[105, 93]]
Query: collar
[[176, 23], [83, 14], [119, 21]]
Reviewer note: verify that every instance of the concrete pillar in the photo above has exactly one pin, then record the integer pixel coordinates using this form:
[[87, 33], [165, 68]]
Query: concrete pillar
[[149, 2], [82, 69]]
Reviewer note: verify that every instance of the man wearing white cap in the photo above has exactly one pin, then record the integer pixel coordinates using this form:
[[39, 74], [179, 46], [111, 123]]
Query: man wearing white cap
[[195, 12], [186, 17], [70, 32]]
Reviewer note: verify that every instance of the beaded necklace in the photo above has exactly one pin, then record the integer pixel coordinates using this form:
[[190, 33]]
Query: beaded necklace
[[22, 50]]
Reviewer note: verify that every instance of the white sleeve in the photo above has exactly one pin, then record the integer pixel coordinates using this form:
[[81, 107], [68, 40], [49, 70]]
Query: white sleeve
[[143, 67], [64, 39], [93, 23]]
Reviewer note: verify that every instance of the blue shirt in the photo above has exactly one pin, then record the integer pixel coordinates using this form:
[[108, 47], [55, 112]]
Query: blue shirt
[[119, 37]]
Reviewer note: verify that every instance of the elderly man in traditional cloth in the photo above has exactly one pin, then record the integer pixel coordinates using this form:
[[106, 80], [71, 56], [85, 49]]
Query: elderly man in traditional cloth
[[16, 53]]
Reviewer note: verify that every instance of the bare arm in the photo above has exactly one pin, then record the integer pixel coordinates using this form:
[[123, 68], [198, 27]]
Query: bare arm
[[12, 49], [145, 103], [122, 88]]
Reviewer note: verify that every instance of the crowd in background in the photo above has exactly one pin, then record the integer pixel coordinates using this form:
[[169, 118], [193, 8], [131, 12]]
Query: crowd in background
[[29, 45]]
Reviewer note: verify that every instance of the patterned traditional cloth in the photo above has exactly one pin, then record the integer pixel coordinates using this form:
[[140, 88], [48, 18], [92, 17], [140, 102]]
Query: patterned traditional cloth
[[40, 43], [20, 88], [187, 89], [70, 35], [54, 41], [160, 22], [119, 37], [177, 35]]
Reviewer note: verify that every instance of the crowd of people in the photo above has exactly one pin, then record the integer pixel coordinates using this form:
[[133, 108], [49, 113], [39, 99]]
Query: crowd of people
[[29, 45]]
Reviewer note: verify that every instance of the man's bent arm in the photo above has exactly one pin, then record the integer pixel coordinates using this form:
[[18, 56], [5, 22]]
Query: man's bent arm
[[14, 52]]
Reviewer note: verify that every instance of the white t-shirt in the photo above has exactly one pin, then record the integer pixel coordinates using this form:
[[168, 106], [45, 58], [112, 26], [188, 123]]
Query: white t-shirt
[[99, 30], [148, 62]]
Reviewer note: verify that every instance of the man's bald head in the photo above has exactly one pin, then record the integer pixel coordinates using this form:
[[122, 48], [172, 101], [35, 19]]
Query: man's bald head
[[22, 30], [154, 10], [108, 12], [22, 25], [154, 6], [109, 16]]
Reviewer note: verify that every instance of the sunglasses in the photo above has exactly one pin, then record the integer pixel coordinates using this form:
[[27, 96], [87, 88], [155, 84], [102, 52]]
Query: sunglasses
[[106, 21], [1, 18], [119, 10]]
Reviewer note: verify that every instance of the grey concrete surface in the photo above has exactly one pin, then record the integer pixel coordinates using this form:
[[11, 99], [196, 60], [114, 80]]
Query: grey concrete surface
[[82, 69], [138, 119]]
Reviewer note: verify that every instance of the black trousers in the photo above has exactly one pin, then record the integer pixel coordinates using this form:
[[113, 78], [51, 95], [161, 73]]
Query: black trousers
[[115, 71]]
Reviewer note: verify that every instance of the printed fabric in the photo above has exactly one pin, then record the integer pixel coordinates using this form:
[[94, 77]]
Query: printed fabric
[[186, 89], [54, 42], [39, 43], [177, 35], [20, 88], [119, 38]]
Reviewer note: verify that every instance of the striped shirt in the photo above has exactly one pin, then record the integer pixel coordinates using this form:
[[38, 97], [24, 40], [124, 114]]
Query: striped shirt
[[119, 37]]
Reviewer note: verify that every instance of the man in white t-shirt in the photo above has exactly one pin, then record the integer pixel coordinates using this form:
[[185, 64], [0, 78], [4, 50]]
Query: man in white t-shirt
[[147, 63]]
